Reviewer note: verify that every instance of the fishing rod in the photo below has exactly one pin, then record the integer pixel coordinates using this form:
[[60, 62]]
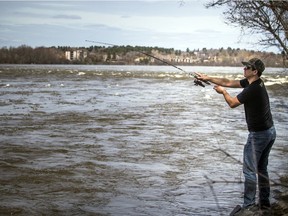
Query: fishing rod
[[193, 74]]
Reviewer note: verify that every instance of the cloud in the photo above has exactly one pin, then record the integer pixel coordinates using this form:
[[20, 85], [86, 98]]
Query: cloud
[[133, 22], [74, 17], [207, 31], [125, 16]]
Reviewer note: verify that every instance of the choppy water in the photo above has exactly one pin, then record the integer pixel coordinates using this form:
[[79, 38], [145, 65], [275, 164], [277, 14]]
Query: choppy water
[[125, 140]]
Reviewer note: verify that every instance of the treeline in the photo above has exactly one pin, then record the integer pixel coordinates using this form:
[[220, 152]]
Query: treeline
[[125, 49], [131, 55], [56, 55], [28, 55]]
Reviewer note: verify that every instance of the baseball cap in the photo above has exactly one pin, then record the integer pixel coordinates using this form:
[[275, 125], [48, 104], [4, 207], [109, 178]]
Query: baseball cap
[[256, 64]]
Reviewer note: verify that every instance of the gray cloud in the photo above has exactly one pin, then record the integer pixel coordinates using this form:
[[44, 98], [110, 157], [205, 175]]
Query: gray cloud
[[67, 17]]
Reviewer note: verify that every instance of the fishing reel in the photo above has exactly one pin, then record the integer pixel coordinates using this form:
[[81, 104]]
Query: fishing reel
[[197, 82]]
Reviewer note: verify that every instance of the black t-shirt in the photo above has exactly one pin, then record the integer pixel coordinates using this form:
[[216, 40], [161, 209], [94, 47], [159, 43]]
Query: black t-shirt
[[256, 104]]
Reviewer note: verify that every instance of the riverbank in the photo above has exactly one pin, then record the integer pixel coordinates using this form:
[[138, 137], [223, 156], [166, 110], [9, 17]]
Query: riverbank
[[280, 207]]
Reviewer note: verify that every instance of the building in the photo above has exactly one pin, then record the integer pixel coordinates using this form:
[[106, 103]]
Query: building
[[75, 55]]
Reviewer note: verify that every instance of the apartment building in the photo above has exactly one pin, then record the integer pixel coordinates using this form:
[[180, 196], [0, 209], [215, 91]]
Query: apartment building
[[75, 54]]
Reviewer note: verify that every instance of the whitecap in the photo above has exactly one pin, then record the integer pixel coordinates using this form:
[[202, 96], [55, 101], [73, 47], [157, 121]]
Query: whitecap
[[207, 96]]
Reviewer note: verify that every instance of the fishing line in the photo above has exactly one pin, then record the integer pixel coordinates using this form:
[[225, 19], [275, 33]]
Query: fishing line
[[192, 74]]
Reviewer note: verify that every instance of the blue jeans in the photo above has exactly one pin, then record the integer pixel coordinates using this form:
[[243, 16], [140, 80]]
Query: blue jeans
[[255, 161]]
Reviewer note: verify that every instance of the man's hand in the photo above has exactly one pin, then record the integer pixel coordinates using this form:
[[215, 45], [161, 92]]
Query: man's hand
[[231, 101], [219, 81], [219, 89], [202, 77]]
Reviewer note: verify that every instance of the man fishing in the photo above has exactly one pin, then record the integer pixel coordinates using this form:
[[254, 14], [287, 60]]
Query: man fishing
[[261, 136]]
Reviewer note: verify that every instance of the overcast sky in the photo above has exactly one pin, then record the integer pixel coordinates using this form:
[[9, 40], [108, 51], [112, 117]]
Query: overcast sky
[[168, 24]]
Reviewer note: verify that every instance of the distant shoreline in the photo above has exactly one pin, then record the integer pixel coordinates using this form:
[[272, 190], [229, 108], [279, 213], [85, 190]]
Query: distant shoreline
[[135, 65], [128, 55]]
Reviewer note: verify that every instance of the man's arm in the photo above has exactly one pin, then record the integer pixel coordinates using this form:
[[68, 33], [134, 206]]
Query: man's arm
[[220, 81], [231, 101]]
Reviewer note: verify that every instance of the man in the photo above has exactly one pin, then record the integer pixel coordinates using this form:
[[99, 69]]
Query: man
[[261, 136]]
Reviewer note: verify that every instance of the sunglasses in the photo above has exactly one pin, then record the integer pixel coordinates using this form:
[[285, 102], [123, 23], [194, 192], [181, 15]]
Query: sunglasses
[[248, 68]]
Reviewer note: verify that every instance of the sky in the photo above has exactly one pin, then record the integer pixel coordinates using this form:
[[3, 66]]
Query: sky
[[178, 24]]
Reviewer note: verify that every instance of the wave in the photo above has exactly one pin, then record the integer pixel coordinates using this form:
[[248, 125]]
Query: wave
[[274, 76]]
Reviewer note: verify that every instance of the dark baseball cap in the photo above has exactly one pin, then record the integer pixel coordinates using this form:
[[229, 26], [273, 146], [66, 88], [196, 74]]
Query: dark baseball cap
[[255, 63]]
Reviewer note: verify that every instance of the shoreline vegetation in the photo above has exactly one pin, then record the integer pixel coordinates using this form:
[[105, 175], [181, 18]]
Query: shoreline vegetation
[[131, 55]]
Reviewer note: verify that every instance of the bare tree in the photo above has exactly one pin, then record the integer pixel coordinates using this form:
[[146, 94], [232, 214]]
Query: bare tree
[[264, 17]]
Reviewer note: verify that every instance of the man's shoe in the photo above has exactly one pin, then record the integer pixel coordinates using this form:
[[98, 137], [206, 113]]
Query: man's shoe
[[235, 210], [252, 210], [266, 211]]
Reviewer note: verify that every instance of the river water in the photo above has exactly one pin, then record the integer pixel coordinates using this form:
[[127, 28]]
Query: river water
[[126, 140]]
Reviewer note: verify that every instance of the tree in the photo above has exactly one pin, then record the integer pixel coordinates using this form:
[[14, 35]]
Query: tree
[[269, 18]]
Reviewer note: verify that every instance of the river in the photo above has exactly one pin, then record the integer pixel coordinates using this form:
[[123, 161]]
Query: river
[[126, 140]]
